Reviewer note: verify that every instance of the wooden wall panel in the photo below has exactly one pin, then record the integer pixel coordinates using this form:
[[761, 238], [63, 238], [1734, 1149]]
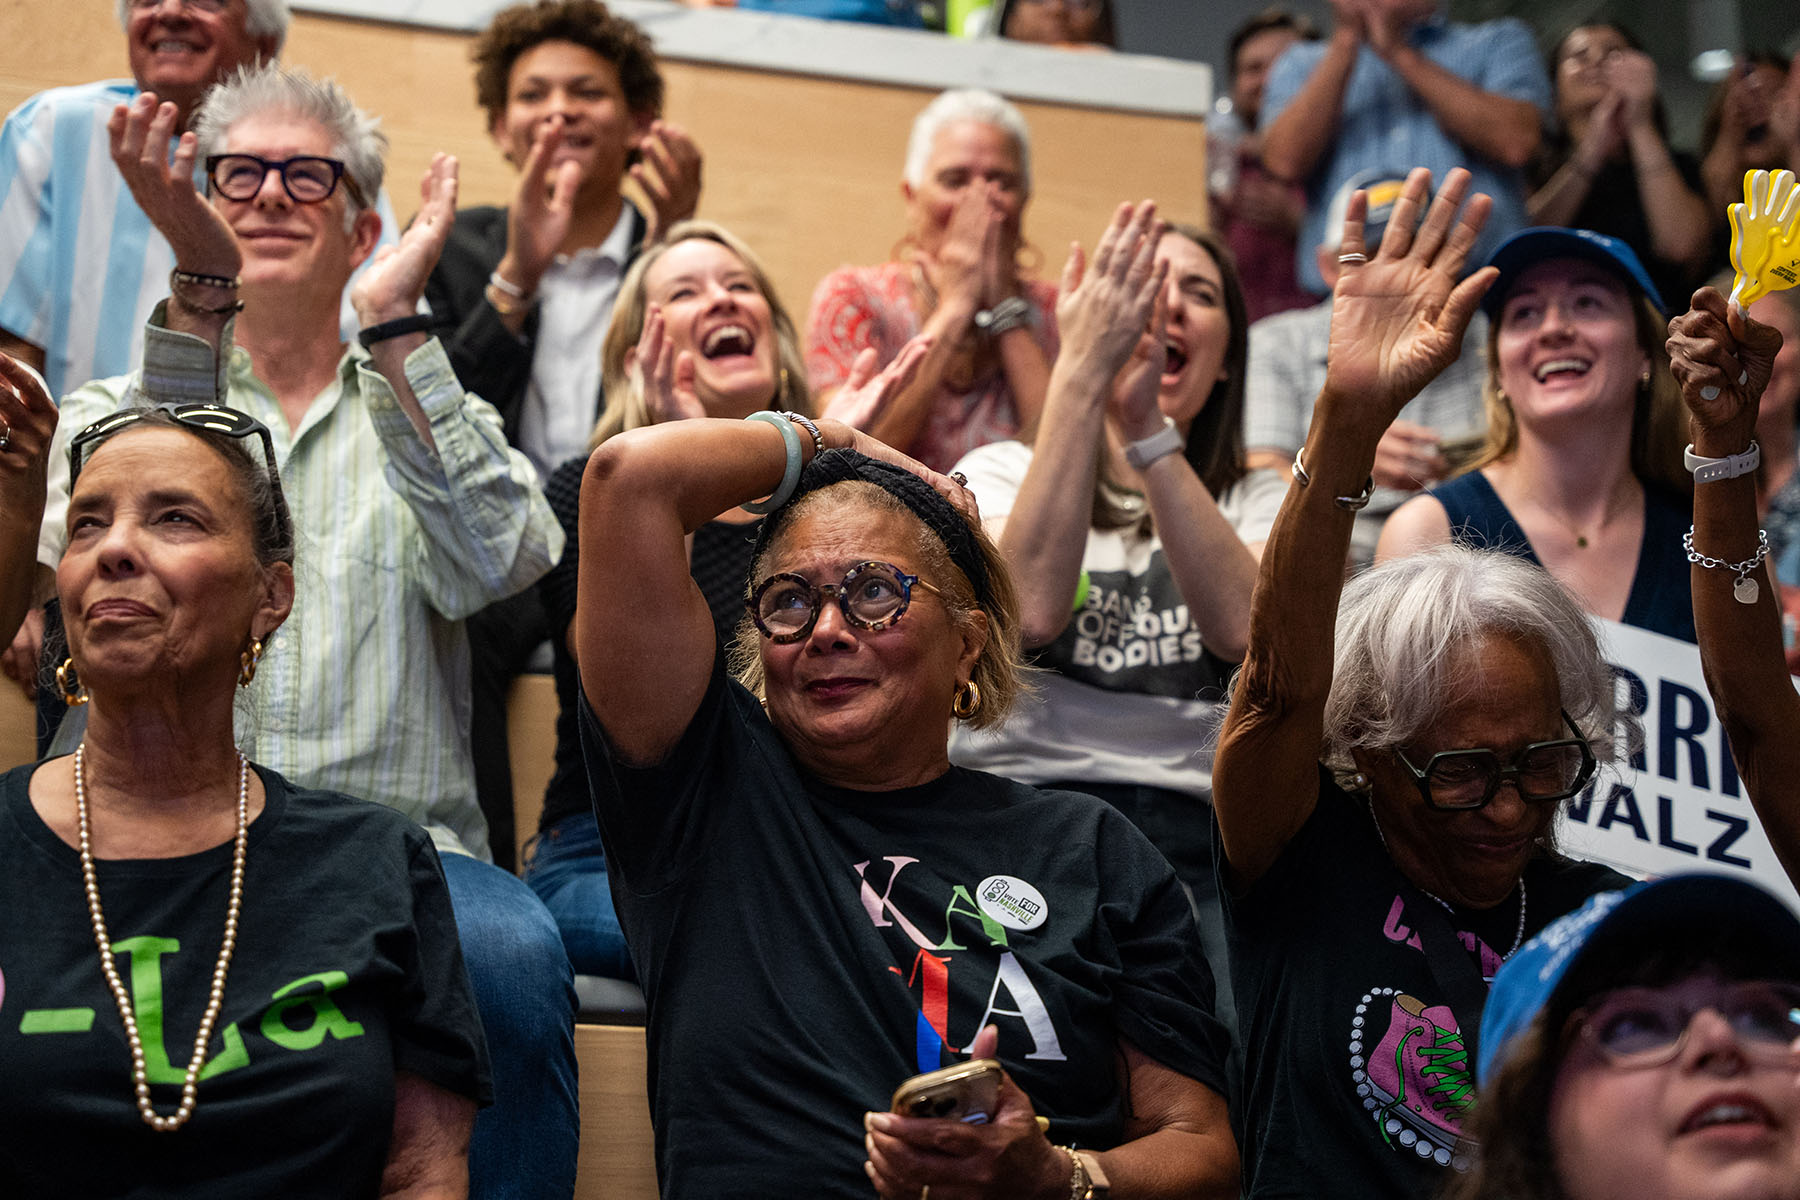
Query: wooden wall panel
[[806, 169]]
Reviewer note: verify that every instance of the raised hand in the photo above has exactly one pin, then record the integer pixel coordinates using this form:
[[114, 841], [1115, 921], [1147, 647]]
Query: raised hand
[[667, 378], [1722, 357], [866, 393], [395, 281], [138, 134], [1398, 319], [27, 422], [1103, 310], [537, 220], [668, 175]]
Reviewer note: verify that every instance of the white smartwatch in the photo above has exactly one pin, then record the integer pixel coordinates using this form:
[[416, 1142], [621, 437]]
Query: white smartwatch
[[1163, 442], [1712, 470]]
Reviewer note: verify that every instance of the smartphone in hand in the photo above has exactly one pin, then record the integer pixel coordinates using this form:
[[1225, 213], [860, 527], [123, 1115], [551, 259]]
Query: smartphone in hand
[[967, 1092]]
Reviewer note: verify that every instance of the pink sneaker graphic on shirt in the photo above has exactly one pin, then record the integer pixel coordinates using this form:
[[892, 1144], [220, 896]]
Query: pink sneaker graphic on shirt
[[1417, 1083]]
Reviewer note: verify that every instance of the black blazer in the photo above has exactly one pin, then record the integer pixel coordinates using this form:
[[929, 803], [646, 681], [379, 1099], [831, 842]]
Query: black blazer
[[489, 359]]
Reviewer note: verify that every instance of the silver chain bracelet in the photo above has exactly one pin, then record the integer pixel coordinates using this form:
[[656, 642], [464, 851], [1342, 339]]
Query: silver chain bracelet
[[1744, 590]]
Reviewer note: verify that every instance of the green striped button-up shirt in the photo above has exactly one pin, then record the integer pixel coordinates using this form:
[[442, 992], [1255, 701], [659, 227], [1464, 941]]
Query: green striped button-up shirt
[[365, 689]]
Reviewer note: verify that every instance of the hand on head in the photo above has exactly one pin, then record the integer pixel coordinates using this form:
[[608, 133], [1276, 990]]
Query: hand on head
[[1722, 357], [668, 175], [1009, 1156], [395, 281], [139, 134], [1398, 318]]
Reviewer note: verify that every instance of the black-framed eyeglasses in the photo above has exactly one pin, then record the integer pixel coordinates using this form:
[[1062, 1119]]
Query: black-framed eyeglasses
[[212, 418], [872, 596], [207, 6], [1456, 780], [1647, 1027], [308, 178]]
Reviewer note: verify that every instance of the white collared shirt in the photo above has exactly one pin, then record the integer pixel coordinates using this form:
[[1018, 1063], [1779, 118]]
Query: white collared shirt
[[575, 303]]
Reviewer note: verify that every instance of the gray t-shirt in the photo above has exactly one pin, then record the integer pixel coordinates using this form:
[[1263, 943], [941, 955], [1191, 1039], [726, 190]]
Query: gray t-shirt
[[1129, 695]]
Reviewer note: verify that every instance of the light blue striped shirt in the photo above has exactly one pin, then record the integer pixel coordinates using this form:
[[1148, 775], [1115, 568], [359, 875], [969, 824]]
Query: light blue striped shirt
[[1383, 126], [80, 264], [365, 690]]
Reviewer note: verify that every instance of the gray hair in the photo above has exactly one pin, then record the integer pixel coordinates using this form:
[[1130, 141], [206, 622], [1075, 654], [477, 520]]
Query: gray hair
[[262, 19], [355, 136], [1400, 629], [966, 104]]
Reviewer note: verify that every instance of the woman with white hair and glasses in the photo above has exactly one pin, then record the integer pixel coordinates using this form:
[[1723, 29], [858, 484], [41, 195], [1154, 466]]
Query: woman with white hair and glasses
[[1387, 780], [956, 276]]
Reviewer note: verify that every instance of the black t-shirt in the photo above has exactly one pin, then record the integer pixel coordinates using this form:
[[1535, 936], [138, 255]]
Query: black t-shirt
[[1356, 1076], [804, 949], [720, 564], [347, 968]]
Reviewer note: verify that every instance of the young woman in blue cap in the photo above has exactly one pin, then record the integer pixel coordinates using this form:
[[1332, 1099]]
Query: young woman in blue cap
[[1580, 471], [1647, 1046]]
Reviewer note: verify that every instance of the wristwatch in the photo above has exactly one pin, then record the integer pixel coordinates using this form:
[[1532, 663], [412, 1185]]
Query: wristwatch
[[1089, 1182], [1010, 313], [1163, 442], [1711, 470]]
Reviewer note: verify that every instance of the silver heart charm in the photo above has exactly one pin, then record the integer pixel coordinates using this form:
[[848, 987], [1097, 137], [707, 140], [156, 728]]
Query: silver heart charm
[[1745, 590]]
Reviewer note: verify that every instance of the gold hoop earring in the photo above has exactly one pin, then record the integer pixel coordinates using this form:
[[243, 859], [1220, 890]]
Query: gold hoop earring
[[247, 662], [74, 693], [968, 700]]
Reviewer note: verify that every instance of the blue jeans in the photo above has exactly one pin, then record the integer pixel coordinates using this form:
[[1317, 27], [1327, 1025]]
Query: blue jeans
[[525, 1143], [567, 869]]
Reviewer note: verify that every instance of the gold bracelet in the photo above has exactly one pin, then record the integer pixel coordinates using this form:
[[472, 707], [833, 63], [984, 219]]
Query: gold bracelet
[[503, 304]]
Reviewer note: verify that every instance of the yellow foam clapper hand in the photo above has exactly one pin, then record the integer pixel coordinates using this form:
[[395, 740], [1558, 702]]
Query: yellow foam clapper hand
[[1765, 236]]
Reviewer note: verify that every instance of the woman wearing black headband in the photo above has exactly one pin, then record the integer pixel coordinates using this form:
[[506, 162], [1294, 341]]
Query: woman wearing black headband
[[819, 906]]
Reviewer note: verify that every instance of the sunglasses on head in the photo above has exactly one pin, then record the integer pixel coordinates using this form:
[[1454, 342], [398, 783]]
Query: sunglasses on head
[[208, 418]]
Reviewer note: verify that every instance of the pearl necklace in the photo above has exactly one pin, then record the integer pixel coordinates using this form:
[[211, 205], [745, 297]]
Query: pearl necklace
[[139, 1076]]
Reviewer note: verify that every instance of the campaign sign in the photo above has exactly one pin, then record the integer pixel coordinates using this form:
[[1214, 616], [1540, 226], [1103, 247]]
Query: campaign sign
[[1672, 802]]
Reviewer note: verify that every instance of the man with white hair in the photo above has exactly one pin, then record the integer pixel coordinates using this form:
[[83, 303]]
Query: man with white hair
[[410, 510], [80, 263]]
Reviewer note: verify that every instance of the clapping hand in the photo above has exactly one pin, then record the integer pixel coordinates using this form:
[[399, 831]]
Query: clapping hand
[[965, 267], [666, 377], [866, 392], [537, 221], [1398, 318], [1722, 357], [138, 134], [395, 281], [1111, 317], [668, 175]]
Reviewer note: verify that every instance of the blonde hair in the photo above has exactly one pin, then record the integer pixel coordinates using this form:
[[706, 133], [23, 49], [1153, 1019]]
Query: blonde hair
[[625, 404], [1000, 671], [1658, 420]]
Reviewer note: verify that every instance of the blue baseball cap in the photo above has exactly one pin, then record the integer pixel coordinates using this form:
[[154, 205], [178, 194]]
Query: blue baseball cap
[[1528, 247], [1676, 909]]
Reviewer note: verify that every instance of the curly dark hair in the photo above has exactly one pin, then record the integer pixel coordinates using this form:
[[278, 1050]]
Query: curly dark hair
[[586, 23]]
